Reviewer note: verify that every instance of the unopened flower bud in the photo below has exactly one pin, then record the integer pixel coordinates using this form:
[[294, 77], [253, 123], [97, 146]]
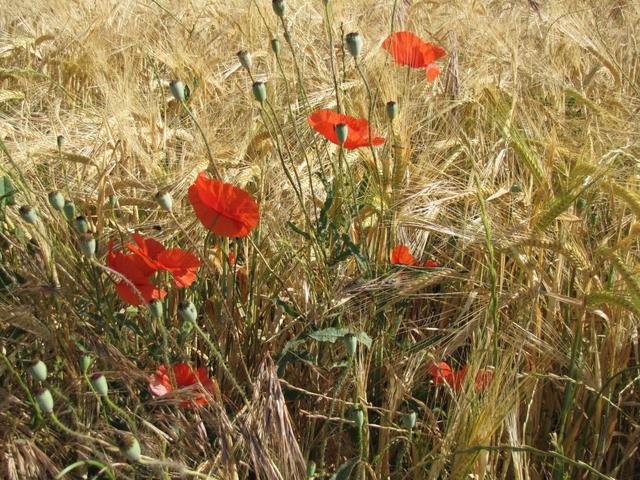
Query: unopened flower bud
[[82, 224], [69, 210], [99, 384], [87, 244], [177, 90], [516, 188], [342, 131], [129, 447], [275, 46], [392, 110], [38, 370], [259, 91], [354, 43], [187, 311], [85, 363], [358, 418], [409, 420], [56, 200], [279, 7], [164, 200], [45, 401], [245, 59], [311, 469], [155, 308], [581, 204], [60, 141], [351, 343], [28, 214], [113, 200]]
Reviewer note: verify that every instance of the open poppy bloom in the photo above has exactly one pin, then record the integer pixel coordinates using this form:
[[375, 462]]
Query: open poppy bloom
[[325, 121], [409, 49], [400, 255], [442, 373], [193, 386], [222, 208]]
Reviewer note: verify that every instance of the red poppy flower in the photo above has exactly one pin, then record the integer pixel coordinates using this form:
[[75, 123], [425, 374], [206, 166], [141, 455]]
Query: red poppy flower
[[442, 373], [431, 264], [325, 121], [400, 255], [224, 209], [138, 273], [193, 386], [182, 265], [409, 49]]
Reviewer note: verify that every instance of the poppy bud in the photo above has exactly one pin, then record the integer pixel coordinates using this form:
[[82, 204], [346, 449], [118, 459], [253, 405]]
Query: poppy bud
[[409, 420], [311, 469], [38, 370], [60, 141], [245, 59], [45, 401], [177, 90], [392, 110], [85, 363], [129, 447], [351, 342], [275, 46], [69, 210], [164, 200], [342, 131], [187, 311], [259, 91], [87, 244], [113, 200], [354, 43], [581, 204], [279, 7], [358, 417], [56, 200], [516, 188], [28, 214], [82, 224], [99, 384], [155, 308]]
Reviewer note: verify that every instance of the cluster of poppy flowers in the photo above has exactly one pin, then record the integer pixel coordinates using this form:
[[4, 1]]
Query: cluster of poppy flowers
[[193, 386], [442, 374], [400, 255]]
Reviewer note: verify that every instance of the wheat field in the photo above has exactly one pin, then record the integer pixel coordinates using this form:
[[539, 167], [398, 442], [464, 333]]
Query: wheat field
[[512, 179]]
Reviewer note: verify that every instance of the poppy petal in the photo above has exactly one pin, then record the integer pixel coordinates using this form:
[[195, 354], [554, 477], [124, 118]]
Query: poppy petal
[[432, 71], [400, 255]]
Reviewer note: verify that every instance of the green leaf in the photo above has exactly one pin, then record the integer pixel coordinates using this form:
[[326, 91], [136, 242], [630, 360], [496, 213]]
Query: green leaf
[[344, 471], [7, 191], [364, 339], [329, 334]]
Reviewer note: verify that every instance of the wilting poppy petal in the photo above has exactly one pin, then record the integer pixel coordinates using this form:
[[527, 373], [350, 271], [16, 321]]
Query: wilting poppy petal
[[224, 209], [433, 71], [159, 382], [325, 121], [409, 49], [400, 255]]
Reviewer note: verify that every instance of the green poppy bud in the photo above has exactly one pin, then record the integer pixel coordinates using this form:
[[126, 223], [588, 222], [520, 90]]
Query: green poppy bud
[[259, 91], [155, 308], [177, 90], [357, 416], [69, 210], [279, 7], [392, 110], [99, 384], [409, 420], [164, 200], [129, 447], [187, 311], [342, 131], [45, 401], [38, 370], [113, 200], [311, 469], [581, 204], [28, 214], [60, 141], [87, 244], [351, 342], [275, 46], [516, 188], [85, 363], [354, 43], [245, 59], [82, 224], [56, 200]]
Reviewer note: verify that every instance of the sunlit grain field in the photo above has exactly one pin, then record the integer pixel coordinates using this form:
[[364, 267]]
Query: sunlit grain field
[[319, 239]]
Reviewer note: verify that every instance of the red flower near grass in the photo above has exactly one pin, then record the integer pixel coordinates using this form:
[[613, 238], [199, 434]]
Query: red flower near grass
[[442, 373], [409, 49], [193, 386], [400, 255], [222, 208], [325, 122], [149, 256]]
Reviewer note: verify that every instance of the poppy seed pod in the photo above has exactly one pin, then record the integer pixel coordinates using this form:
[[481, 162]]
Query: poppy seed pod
[[275, 46], [45, 401], [87, 244], [259, 91], [279, 7], [351, 342], [28, 214], [69, 210], [164, 200], [129, 447], [516, 188], [392, 110], [85, 363], [60, 142], [311, 469], [409, 420], [245, 59], [177, 90], [155, 308], [342, 132], [38, 370], [82, 224], [56, 200], [354, 43], [187, 311], [99, 384]]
